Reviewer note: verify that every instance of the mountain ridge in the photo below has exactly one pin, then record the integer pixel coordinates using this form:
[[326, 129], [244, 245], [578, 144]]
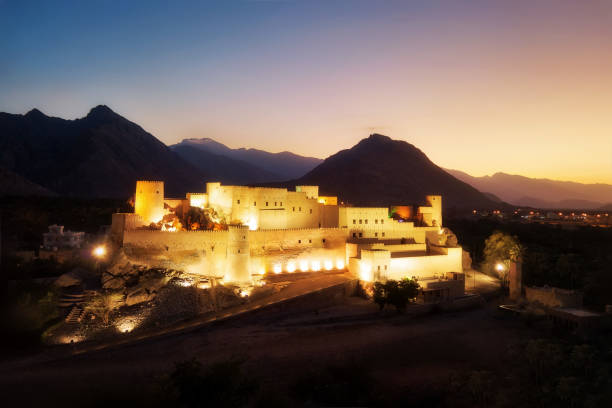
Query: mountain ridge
[[280, 166], [379, 170], [540, 192], [101, 154]]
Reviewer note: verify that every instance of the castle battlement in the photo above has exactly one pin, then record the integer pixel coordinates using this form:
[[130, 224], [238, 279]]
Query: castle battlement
[[275, 230]]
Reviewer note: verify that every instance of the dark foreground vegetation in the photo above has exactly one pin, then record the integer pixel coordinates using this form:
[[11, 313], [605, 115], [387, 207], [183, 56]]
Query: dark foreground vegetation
[[24, 219], [578, 258]]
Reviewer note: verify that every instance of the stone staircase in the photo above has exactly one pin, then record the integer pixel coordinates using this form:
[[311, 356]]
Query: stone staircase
[[76, 315], [70, 300]]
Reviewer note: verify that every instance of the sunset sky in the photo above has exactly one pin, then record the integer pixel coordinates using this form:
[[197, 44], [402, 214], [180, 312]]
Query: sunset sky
[[480, 86]]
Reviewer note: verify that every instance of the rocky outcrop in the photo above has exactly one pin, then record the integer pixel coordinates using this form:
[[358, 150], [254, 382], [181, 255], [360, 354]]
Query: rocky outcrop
[[68, 279], [139, 295]]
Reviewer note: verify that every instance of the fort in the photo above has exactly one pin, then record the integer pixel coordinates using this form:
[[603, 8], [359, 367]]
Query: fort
[[264, 230]]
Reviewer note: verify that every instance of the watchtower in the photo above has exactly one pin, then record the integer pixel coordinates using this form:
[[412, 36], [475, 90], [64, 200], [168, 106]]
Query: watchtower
[[238, 254], [149, 201]]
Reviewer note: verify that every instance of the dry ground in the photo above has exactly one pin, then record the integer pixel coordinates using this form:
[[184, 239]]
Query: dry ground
[[405, 354]]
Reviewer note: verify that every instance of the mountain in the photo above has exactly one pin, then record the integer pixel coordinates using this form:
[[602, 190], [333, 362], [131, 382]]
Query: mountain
[[540, 193], [225, 169], [382, 171], [100, 155], [12, 184], [277, 166]]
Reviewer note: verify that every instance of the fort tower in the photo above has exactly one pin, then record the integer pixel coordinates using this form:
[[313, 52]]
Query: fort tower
[[149, 201]]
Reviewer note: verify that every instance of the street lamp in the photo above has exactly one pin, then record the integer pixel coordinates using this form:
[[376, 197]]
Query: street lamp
[[99, 251]]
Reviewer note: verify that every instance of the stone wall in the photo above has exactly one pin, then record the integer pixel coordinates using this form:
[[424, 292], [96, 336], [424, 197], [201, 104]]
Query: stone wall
[[553, 297]]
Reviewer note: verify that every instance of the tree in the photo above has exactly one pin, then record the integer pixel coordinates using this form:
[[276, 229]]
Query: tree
[[379, 295], [409, 288], [395, 293], [102, 305], [501, 249]]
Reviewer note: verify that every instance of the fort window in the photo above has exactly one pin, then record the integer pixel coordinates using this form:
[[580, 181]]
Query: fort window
[[360, 221], [238, 251], [300, 209], [354, 235], [382, 221], [376, 234], [366, 221], [266, 203], [379, 268], [310, 241], [385, 267], [299, 241], [281, 204], [383, 234], [323, 240], [311, 210], [376, 221], [254, 203], [157, 192], [244, 237], [293, 209], [354, 221], [275, 203], [360, 234], [237, 201]]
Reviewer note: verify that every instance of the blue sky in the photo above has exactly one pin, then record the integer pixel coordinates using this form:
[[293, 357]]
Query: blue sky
[[481, 86]]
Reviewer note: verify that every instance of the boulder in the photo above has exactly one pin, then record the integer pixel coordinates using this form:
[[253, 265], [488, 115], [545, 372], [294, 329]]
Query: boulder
[[121, 265], [451, 240], [153, 284], [68, 279], [115, 282], [140, 295]]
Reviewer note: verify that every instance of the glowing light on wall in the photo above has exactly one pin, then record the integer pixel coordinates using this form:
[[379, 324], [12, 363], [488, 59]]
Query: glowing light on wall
[[499, 267], [204, 285], [197, 201], [277, 268], [252, 223], [291, 267], [316, 266], [245, 292], [365, 272], [328, 265], [304, 266], [339, 264]]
